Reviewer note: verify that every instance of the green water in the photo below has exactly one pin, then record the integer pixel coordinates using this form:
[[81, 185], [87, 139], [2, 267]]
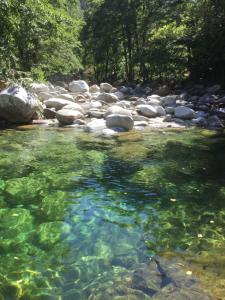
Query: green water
[[78, 213]]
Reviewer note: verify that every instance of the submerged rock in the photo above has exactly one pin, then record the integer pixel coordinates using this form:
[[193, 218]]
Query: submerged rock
[[17, 105], [95, 125]]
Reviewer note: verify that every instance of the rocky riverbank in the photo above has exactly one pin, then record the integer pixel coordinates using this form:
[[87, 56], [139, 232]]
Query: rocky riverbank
[[108, 110]]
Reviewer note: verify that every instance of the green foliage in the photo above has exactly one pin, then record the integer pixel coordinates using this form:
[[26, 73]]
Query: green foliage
[[40, 37], [155, 39]]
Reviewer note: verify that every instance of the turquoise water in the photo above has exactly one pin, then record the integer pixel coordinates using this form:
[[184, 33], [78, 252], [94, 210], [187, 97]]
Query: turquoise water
[[81, 215]]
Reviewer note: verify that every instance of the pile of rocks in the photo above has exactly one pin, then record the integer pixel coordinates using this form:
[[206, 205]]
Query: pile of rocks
[[107, 109]]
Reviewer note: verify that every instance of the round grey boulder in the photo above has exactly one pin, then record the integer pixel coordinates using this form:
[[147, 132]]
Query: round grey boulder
[[119, 121], [147, 110], [183, 112]]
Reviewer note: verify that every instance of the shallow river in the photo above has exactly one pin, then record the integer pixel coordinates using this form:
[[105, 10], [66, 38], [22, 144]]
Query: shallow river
[[140, 216]]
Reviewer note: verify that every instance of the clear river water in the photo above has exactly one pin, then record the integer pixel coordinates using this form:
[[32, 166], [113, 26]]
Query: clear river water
[[138, 216]]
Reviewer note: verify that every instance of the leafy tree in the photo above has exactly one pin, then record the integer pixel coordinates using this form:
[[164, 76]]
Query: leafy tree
[[40, 36]]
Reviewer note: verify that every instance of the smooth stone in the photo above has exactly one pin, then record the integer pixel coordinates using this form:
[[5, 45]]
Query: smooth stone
[[141, 101], [170, 100], [133, 99], [170, 110], [66, 116], [78, 86], [154, 97], [178, 121], [203, 107], [94, 89], [87, 95], [121, 121], [113, 90], [168, 118], [180, 102], [147, 110], [49, 113], [95, 125], [40, 87], [201, 114], [107, 132], [93, 113], [105, 87], [79, 97], [57, 103], [160, 111], [124, 104], [65, 96], [200, 121], [60, 90], [95, 104], [140, 118], [185, 113], [42, 96], [119, 95], [154, 102], [118, 110], [107, 97], [215, 122], [74, 106], [163, 91], [17, 105], [140, 123]]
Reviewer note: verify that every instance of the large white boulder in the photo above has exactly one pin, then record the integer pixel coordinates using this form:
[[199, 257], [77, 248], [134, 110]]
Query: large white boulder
[[119, 121], [17, 105], [147, 110], [57, 103], [78, 86], [183, 112], [107, 97], [105, 87]]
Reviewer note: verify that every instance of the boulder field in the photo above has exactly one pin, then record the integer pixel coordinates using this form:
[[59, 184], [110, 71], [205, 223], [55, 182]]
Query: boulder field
[[108, 110]]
